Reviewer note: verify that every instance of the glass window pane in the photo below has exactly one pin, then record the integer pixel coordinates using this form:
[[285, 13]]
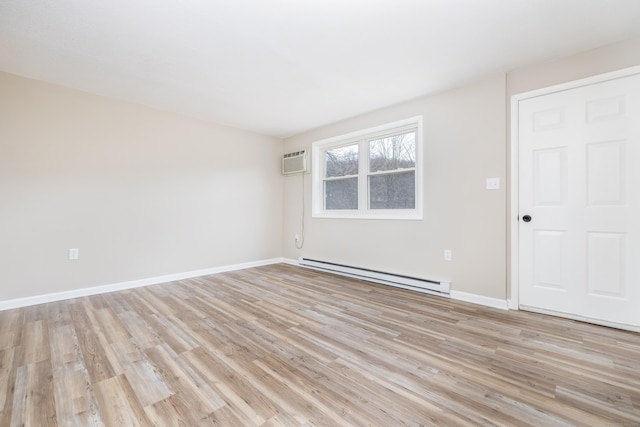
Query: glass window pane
[[341, 161], [341, 194], [392, 191], [393, 152]]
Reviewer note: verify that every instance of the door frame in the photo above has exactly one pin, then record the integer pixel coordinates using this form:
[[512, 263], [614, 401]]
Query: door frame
[[514, 299]]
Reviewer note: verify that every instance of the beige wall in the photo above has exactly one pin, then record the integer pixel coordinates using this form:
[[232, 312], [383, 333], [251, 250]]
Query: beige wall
[[466, 140], [464, 143], [142, 193], [593, 62]]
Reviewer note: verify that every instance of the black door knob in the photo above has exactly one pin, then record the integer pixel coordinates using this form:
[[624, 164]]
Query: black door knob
[[526, 218]]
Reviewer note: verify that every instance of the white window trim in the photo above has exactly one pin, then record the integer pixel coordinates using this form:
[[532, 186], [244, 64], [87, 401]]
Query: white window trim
[[363, 212]]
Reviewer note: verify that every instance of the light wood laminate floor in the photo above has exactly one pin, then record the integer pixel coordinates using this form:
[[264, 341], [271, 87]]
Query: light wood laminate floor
[[282, 345]]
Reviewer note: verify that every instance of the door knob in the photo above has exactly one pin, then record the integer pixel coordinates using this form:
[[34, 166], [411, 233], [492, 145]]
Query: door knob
[[526, 218]]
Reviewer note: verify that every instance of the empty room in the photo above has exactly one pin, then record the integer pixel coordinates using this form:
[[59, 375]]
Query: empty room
[[320, 213]]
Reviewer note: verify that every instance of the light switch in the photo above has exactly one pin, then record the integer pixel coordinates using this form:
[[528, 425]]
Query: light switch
[[73, 253], [493, 183]]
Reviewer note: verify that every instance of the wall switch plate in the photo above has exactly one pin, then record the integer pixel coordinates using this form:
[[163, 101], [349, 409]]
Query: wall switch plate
[[73, 253], [493, 183], [447, 255]]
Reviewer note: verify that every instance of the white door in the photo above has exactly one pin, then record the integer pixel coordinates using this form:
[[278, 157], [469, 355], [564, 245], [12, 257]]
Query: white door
[[579, 190]]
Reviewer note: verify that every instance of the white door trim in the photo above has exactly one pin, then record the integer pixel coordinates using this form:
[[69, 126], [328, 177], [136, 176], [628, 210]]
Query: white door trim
[[514, 300]]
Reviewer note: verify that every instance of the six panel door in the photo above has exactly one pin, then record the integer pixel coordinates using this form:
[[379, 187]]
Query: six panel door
[[579, 182]]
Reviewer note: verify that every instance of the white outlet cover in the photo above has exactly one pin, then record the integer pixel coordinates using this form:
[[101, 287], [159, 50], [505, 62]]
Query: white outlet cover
[[493, 183], [73, 253]]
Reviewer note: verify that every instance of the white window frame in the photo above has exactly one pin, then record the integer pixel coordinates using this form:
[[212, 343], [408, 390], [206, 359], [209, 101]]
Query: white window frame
[[362, 138]]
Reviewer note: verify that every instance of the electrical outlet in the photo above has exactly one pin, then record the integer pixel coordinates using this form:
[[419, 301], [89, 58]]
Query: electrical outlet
[[447, 255], [493, 183], [297, 238], [73, 253]]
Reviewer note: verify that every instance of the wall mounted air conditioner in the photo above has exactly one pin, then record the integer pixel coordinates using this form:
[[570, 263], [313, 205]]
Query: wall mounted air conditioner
[[295, 162]]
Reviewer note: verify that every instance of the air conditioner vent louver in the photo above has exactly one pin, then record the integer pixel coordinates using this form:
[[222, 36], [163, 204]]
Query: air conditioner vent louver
[[295, 162]]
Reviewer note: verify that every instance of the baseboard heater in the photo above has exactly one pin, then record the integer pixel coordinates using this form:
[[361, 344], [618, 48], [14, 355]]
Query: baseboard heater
[[397, 280]]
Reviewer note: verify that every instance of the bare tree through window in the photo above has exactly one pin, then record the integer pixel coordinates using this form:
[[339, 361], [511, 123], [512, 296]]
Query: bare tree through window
[[394, 152], [395, 155], [370, 173], [341, 164]]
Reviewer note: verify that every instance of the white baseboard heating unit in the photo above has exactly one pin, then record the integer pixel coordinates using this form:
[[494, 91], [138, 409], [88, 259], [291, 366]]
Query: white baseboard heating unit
[[406, 282]]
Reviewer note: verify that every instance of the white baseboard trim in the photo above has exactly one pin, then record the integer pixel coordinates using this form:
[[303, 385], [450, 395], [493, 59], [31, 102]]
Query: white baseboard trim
[[76, 293], [479, 299]]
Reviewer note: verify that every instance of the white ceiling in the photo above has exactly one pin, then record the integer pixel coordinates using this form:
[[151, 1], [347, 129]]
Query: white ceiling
[[280, 67]]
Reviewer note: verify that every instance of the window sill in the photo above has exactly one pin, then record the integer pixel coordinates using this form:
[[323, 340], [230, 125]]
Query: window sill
[[411, 216]]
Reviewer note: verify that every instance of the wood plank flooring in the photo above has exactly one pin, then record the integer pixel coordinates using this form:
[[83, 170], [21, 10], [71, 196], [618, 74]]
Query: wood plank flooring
[[285, 346]]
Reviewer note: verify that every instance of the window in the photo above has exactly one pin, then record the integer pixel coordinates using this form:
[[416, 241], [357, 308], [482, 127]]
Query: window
[[374, 173]]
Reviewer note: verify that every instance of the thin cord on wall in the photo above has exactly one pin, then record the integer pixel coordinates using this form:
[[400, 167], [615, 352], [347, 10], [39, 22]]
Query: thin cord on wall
[[301, 240]]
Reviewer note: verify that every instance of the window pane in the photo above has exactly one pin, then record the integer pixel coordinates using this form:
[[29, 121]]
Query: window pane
[[393, 152], [341, 161], [341, 194], [392, 191]]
